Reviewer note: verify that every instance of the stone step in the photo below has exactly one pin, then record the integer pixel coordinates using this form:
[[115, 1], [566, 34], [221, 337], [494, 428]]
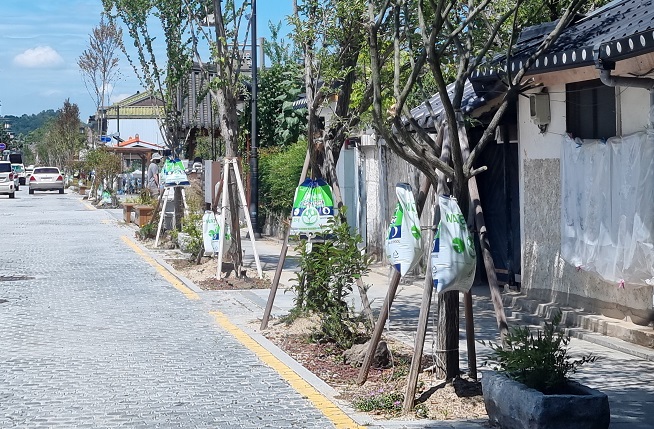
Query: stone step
[[615, 334]]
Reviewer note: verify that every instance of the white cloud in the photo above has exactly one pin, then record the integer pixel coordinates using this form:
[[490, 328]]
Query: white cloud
[[39, 57], [51, 92]]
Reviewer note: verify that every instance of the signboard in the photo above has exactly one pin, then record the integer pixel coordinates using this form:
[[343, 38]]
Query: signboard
[[3, 146], [105, 139]]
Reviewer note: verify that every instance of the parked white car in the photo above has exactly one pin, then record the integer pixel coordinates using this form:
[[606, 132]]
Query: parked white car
[[7, 179]]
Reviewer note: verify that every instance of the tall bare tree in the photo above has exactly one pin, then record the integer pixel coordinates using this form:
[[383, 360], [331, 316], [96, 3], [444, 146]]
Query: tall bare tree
[[434, 37], [99, 62], [166, 77]]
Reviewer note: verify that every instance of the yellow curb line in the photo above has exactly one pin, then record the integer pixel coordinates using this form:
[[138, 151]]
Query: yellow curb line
[[324, 404], [321, 402], [88, 206], [177, 284]]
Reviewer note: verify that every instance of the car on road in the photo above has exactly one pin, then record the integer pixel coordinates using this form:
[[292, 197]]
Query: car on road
[[7, 180], [19, 171], [46, 179]]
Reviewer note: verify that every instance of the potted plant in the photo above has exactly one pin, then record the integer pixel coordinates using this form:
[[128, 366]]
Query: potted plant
[[144, 210], [128, 208], [530, 387]]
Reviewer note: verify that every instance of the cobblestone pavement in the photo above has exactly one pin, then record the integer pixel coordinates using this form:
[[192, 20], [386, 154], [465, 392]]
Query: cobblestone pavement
[[91, 336]]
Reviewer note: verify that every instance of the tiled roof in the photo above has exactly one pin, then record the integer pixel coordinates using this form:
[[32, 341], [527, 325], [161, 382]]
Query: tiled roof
[[137, 142], [140, 105], [428, 111], [621, 29]]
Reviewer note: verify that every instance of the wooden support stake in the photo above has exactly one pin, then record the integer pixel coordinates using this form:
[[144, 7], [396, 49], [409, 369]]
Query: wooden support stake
[[470, 335], [475, 200], [282, 256], [425, 185], [496, 294], [423, 322]]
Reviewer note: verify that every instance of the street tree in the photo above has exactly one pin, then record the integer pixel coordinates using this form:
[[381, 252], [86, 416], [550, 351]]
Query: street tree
[[99, 63], [447, 40], [162, 66], [223, 73], [185, 39], [280, 123], [62, 140], [331, 38]]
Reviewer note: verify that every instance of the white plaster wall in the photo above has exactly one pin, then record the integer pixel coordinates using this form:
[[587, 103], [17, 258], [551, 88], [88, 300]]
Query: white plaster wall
[[634, 106], [348, 178], [147, 129], [373, 199], [533, 143], [545, 274]]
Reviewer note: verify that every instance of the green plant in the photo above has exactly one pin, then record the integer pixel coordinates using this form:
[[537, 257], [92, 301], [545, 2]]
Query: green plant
[[539, 361], [386, 402], [148, 230], [327, 272], [192, 225], [421, 410], [279, 170], [145, 198]]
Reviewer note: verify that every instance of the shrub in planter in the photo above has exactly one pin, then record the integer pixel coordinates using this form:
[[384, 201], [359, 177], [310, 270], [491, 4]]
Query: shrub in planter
[[531, 388]]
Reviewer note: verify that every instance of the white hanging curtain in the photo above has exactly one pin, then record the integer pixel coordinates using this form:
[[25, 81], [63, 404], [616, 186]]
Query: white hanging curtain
[[607, 207]]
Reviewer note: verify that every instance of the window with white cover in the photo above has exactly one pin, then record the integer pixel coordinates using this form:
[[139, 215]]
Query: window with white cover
[[607, 207]]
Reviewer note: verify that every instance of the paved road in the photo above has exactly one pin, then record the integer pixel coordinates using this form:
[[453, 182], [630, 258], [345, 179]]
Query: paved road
[[94, 337]]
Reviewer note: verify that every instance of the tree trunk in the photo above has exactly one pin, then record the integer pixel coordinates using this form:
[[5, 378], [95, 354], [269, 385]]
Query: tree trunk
[[178, 201], [447, 336], [447, 320]]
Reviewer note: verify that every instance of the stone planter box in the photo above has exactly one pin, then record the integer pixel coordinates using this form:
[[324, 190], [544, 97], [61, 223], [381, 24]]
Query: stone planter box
[[127, 211], [83, 189], [513, 405], [143, 215]]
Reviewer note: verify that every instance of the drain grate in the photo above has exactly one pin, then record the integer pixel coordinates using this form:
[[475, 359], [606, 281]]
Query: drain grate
[[15, 278]]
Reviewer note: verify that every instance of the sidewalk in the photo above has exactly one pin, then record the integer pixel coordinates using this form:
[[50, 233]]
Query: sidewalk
[[622, 371]]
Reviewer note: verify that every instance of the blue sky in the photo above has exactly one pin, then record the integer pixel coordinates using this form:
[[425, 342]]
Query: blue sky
[[41, 40]]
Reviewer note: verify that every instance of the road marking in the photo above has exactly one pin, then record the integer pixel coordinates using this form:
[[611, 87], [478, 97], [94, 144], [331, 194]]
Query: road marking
[[177, 284], [88, 206], [320, 401]]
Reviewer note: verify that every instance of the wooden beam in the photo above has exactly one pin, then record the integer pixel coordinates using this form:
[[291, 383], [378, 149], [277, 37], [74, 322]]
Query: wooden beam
[[282, 257], [423, 322]]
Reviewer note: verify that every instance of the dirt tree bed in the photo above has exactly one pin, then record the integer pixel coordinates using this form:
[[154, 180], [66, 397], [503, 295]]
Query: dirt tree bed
[[204, 275], [458, 400]]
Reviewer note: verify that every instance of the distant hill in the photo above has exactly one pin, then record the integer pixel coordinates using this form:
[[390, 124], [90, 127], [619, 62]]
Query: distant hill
[[26, 123]]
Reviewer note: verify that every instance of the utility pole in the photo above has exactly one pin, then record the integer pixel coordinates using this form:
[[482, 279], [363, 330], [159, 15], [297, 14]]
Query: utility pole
[[254, 155]]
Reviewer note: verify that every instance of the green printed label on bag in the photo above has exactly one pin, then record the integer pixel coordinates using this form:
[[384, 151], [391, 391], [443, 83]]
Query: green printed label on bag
[[313, 206], [174, 174], [404, 239]]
